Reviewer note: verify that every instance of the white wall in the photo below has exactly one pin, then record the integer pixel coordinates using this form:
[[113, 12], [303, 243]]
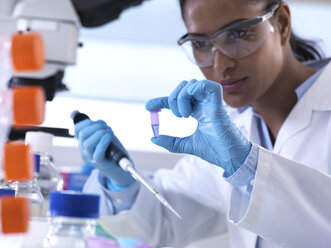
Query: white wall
[[312, 21]]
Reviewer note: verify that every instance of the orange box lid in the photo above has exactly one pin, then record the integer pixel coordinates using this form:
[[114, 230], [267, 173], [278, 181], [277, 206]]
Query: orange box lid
[[18, 161], [27, 51], [15, 215], [28, 105]]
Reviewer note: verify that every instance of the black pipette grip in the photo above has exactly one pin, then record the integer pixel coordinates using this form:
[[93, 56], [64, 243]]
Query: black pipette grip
[[112, 153], [78, 117]]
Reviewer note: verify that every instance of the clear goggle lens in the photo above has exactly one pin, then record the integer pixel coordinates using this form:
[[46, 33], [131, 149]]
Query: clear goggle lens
[[236, 43]]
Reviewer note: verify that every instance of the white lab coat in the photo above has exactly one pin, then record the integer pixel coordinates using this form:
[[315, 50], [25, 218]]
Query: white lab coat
[[291, 198]]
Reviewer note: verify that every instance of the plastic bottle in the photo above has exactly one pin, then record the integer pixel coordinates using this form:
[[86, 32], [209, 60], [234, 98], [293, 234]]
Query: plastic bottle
[[18, 163], [48, 178], [73, 221], [30, 190]]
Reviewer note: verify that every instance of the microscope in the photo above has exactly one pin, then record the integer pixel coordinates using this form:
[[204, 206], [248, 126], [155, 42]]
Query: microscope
[[58, 22]]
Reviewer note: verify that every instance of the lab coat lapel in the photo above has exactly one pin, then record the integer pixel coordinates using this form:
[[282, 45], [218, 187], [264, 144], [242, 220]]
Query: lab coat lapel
[[316, 98], [240, 237]]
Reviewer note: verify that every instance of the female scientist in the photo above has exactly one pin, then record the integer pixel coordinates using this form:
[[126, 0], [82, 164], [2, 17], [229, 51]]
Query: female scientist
[[264, 180]]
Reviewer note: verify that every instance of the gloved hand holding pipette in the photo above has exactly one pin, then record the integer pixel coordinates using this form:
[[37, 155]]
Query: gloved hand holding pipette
[[216, 139], [93, 139], [108, 155]]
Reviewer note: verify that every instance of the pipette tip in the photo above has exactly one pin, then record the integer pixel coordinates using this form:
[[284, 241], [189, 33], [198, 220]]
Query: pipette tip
[[166, 204], [174, 211]]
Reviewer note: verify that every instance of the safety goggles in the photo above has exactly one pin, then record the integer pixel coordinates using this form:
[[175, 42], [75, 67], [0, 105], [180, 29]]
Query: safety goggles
[[237, 40]]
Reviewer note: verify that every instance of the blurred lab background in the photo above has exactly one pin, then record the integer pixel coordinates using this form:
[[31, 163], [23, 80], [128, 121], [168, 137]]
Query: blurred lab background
[[135, 58]]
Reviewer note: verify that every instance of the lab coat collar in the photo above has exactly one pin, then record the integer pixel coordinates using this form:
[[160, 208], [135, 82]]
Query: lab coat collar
[[319, 95], [317, 98]]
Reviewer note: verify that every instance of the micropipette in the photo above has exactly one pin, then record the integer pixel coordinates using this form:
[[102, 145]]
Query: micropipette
[[120, 159], [126, 165]]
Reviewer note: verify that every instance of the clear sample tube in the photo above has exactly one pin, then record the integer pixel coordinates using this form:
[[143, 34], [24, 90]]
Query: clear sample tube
[[155, 123]]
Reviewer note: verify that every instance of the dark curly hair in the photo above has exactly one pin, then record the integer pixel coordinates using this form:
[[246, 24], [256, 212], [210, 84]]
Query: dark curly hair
[[304, 50]]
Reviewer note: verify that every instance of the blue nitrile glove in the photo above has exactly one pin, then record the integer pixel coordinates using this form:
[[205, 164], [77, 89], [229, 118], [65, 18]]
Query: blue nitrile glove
[[93, 139], [216, 139]]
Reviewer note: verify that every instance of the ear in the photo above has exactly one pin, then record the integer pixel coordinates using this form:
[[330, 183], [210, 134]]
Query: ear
[[284, 23]]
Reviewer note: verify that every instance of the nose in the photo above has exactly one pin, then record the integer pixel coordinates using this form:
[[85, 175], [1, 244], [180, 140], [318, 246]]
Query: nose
[[222, 63]]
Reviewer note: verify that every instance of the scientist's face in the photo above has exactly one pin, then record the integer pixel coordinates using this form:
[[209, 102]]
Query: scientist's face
[[247, 79]]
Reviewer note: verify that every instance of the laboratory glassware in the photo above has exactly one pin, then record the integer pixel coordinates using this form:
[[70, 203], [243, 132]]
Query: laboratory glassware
[[48, 179], [19, 164], [73, 220]]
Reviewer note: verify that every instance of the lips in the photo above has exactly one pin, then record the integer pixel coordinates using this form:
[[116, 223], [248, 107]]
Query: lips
[[233, 84]]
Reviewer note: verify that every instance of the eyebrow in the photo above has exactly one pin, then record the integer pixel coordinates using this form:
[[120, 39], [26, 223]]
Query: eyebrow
[[228, 25]]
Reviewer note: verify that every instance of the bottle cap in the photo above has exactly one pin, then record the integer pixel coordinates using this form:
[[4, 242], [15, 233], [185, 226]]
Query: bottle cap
[[74, 204], [7, 192], [14, 215], [17, 161], [27, 51], [39, 141], [28, 105]]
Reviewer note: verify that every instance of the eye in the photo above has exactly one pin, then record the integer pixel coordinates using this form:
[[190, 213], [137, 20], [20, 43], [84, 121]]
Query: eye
[[237, 34], [199, 44]]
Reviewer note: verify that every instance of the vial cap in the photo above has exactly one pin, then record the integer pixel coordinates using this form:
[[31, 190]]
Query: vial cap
[[28, 105], [39, 141], [17, 161], [7, 192], [14, 215], [27, 51], [74, 204]]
